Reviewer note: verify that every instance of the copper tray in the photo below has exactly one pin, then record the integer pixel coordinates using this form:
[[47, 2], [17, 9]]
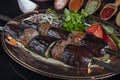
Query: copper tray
[[34, 64]]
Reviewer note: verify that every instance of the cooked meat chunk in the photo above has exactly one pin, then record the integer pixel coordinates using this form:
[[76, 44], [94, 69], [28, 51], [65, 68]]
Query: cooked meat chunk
[[27, 35], [43, 28], [58, 49], [75, 37]]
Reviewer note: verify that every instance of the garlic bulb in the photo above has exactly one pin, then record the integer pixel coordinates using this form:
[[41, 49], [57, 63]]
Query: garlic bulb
[[26, 5]]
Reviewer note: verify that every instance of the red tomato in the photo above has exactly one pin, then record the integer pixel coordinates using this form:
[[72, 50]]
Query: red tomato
[[96, 29], [110, 42]]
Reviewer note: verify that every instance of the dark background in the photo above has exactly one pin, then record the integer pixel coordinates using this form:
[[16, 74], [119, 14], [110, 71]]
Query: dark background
[[9, 69]]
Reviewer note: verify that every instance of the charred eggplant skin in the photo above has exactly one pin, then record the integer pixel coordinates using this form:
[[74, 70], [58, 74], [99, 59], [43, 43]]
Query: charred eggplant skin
[[58, 33], [14, 30], [30, 24], [90, 37], [40, 44], [94, 44], [76, 55]]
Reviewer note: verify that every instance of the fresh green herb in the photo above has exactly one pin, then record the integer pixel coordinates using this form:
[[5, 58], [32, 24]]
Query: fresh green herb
[[49, 10], [73, 20], [109, 30]]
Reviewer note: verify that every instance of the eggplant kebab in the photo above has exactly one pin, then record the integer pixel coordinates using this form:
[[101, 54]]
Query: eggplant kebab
[[73, 48]]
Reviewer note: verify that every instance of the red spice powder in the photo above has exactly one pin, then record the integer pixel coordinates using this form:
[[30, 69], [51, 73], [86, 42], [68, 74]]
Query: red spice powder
[[75, 4], [107, 12]]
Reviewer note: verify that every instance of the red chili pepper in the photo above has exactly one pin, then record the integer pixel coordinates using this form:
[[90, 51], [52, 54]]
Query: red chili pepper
[[110, 41], [107, 12]]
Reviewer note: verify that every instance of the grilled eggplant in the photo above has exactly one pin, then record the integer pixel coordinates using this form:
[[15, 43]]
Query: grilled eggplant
[[57, 33], [77, 56], [76, 49], [40, 44], [71, 54], [94, 44], [45, 29], [77, 38], [15, 29], [87, 40]]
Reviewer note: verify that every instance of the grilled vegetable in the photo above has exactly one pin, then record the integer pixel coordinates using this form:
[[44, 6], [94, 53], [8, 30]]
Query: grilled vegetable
[[57, 33], [109, 30], [45, 29], [40, 44], [65, 49], [76, 56], [79, 38], [110, 41], [94, 44], [70, 54], [95, 29], [14, 29]]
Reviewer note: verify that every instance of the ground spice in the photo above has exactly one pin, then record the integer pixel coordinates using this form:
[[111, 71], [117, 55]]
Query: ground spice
[[107, 12], [118, 19], [75, 4], [91, 6]]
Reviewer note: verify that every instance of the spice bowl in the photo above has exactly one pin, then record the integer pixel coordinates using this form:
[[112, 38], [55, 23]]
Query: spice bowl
[[108, 11], [118, 19], [75, 4], [92, 6]]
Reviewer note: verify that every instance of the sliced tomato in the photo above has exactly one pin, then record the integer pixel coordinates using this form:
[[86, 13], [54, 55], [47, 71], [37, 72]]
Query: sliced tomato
[[95, 29], [110, 41]]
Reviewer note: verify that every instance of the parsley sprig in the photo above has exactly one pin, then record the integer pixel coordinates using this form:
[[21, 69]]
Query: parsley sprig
[[73, 20]]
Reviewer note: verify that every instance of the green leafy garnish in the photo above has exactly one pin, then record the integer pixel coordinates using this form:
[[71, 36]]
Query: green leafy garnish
[[49, 10], [73, 20]]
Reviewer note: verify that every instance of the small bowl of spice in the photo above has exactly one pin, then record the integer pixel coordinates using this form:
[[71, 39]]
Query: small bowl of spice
[[109, 10], [118, 19], [92, 6], [75, 4]]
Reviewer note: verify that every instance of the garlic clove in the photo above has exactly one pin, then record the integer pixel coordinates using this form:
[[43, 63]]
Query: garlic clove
[[26, 5]]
